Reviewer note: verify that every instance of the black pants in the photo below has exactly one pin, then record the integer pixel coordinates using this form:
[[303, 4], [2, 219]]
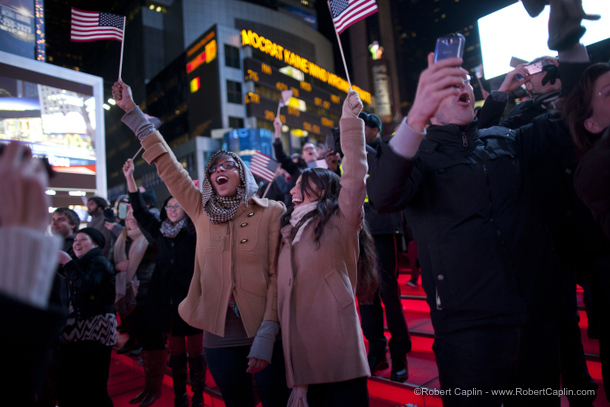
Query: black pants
[[83, 377], [389, 293], [478, 366], [352, 393]]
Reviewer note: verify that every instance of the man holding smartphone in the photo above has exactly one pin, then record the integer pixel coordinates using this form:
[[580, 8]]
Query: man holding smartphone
[[487, 263]]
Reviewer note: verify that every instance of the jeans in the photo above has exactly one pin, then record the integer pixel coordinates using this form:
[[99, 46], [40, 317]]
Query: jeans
[[228, 368], [487, 359]]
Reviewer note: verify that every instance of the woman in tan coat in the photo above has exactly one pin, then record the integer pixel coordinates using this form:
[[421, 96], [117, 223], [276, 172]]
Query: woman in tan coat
[[233, 293], [326, 362]]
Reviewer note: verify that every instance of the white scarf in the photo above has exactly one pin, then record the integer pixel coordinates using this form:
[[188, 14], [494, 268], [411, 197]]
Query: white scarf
[[297, 215]]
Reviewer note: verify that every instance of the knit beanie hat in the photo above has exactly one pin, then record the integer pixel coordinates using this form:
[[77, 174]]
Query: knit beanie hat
[[95, 235]]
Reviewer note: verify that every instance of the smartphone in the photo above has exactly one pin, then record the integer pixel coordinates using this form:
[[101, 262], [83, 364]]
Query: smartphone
[[449, 46], [330, 142], [123, 210], [536, 67]]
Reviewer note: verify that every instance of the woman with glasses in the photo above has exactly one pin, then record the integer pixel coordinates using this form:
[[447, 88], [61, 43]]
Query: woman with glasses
[[176, 241], [233, 292]]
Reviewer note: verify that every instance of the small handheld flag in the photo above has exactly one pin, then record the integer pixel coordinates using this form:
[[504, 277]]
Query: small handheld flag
[[286, 95], [263, 166], [96, 26], [346, 13]]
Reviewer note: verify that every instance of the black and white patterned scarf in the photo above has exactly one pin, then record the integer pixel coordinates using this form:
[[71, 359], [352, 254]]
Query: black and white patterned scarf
[[222, 209], [168, 229]]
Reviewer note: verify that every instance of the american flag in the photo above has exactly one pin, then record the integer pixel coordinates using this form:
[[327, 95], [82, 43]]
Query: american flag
[[263, 166], [96, 25], [348, 12]]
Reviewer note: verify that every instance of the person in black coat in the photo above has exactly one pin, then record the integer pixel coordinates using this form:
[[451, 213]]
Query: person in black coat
[[176, 242], [90, 331]]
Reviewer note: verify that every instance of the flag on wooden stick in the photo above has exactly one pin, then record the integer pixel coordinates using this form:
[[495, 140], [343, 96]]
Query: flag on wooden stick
[[286, 95], [263, 166], [96, 26], [348, 12]]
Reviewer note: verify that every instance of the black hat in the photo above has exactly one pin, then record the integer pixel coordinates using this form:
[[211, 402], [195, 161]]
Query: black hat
[[95, 235], [371, 120], [150, 198]]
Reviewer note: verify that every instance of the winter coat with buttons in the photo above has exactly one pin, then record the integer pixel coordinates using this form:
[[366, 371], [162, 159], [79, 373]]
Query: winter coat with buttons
[[232, 258]]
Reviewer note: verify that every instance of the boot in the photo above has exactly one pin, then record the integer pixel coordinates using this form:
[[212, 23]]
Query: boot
[[564, 23], [178, 365], [146, 363], [534, 7], [197, 368], [155, 378]]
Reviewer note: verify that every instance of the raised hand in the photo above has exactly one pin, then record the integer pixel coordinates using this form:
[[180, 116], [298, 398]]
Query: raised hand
[[352, 104], [515, 78], [440, 80], [128, 169], [122, 95], [24, 182], [277, 124]]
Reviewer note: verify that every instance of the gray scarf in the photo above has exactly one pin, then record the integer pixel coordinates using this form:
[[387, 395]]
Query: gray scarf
[[170, 230]]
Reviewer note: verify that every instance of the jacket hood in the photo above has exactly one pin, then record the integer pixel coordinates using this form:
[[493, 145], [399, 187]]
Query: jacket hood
[[247, 179]]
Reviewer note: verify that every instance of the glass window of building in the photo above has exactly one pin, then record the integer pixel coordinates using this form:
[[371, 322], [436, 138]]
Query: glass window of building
[[234, 92], [236, 122], [232, 57]]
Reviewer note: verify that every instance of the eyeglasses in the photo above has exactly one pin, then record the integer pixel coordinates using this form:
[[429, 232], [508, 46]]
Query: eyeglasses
[[171, 208], [227, 165]]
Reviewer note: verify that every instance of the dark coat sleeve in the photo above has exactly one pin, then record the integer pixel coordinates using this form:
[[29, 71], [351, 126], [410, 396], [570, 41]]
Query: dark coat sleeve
[[491, 112], [287, 163], [393, 180], [145, 218]]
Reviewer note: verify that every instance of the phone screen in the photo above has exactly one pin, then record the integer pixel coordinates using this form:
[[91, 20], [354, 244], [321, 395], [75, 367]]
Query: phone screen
[[123, 211]]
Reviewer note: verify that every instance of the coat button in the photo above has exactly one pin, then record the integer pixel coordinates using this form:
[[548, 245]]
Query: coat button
[[91, 297], [251, 214], [441, 277], [172, 261], [243, 240], [568, 171], [244, 224]]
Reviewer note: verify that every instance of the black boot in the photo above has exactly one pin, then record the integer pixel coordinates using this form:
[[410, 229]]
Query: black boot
[[178, 365], [147, 365], [400, 369], [155, 377], [564, 23], [534, 7], [197, 368]]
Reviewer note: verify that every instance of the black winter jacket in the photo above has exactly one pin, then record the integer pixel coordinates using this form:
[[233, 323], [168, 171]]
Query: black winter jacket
[[174, 270], [91, 284], [485, 256]]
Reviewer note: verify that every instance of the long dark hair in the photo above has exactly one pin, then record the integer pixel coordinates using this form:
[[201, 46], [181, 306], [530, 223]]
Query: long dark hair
[[324, 185], [578, 107]]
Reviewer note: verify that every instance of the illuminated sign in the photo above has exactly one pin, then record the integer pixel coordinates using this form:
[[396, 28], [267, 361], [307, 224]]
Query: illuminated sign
[[262, 73], [205, 57], [277, 51]]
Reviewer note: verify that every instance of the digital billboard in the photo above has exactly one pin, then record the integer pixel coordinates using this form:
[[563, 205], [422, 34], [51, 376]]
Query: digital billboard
[[18, 27], [511, 32], [58, 113]]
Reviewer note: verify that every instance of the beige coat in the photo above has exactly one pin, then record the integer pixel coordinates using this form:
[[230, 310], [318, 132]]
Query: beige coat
[[321, 331], [236, 257]]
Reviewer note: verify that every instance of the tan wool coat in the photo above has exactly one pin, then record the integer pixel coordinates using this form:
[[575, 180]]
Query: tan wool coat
[[321, 331], [236, 257]]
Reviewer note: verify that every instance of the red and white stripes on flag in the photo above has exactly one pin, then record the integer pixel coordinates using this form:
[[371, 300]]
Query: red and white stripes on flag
[[96, 25], [263, 166], [348, 12]]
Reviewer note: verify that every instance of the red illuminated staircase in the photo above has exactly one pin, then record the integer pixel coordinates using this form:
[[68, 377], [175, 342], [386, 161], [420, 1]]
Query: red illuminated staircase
[[126, 379]]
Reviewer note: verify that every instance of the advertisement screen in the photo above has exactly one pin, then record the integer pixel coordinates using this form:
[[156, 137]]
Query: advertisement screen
[[511, 32], [55, 122]]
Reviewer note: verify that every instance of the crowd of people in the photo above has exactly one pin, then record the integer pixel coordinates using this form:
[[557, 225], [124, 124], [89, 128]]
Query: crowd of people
[[275, 296]]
